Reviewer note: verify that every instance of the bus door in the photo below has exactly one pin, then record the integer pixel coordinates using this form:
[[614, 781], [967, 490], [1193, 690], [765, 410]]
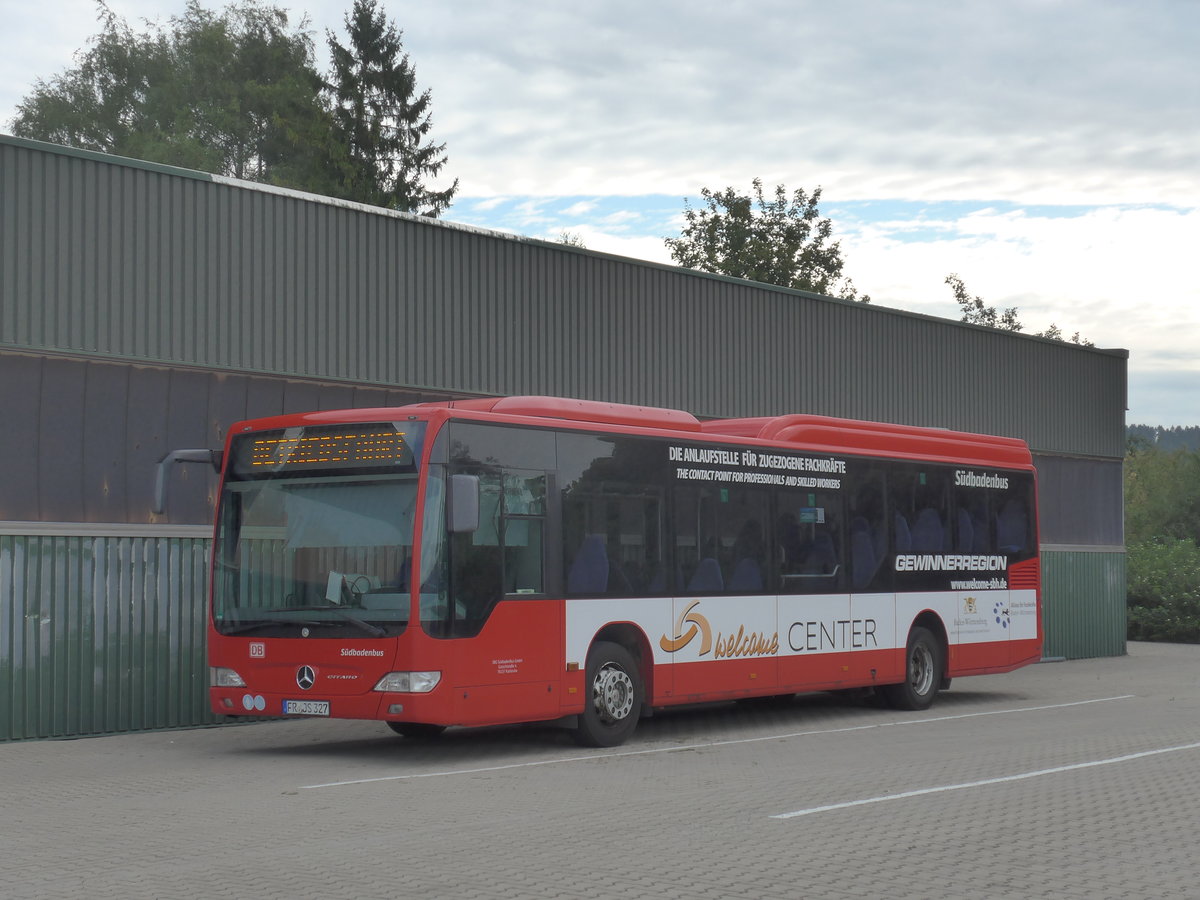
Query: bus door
[[501, 631]]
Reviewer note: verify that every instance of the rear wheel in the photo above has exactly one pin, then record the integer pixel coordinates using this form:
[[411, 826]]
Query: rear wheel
[[924, 667], [416, 729], [614, 697]]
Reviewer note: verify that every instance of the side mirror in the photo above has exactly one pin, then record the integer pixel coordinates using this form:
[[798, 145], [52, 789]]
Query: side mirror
[[463, 509], [212, 457]]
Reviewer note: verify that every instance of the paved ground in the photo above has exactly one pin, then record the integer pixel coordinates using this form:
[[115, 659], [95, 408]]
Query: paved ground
[[1075, 780]]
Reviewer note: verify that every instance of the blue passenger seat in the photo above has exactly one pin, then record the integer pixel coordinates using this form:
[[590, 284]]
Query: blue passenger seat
[[928, 536], [863, 558], [707, 578], [746, 577], [589, 569], [964, 533]]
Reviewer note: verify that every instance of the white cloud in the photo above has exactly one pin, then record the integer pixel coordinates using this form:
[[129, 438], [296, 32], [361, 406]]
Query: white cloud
[[487, 204], [604, 241], [1113, 274], [583, 207]]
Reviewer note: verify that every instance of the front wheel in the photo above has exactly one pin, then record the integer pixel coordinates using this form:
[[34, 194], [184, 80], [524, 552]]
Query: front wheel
[[614, 697], [924, 668]]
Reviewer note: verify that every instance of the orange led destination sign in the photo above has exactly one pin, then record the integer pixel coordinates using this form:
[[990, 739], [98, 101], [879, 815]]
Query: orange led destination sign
[[328, 449], [322, 447]]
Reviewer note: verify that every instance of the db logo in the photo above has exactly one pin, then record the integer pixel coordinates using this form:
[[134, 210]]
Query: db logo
[[696, 623], [258, 650]]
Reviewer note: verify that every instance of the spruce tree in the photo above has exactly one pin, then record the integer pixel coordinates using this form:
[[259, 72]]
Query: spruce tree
[[381, 120]]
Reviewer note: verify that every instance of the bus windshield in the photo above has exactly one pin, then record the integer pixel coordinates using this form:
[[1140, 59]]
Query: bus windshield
[[315, 545]]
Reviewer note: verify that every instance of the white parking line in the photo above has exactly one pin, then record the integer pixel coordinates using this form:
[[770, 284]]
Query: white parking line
[[986, 781], [710, 745]]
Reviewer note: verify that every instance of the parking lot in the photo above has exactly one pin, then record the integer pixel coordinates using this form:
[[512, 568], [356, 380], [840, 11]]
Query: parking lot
[[1072, 779]]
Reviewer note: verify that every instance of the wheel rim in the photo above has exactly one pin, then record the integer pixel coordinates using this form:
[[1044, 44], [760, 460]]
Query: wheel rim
[[920, 669], [612, 693]]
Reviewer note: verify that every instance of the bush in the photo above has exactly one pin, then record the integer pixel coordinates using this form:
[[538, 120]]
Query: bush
[[1164, 591]]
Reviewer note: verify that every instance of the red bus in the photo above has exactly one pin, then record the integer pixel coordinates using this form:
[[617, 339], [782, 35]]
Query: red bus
[[478, 562]]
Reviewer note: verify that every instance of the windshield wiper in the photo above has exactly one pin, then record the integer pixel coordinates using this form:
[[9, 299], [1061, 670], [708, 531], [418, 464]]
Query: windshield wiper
[[373, 630], [263, 623]]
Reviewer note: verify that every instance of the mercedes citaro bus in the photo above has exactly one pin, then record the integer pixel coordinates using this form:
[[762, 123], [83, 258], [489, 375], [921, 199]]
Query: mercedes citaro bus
[[477, 562]]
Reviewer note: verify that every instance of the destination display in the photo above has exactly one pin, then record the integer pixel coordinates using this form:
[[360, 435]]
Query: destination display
[[321, 448]]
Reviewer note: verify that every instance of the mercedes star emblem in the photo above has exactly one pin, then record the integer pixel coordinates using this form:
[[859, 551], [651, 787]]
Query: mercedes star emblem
[[306, 677]]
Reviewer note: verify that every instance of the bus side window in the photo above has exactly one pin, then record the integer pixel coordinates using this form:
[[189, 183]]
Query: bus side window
[[868, 535], [920, 506], [697, 541], [721, 545], [974, 521], [808, 539], [523, 515], [613, 528], [994, 521], [612, 541], [1015, 531], [475, 563], [504, 555]]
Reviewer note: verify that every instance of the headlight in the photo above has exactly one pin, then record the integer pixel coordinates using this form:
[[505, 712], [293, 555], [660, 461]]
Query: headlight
[[218, 677], [409, 682]]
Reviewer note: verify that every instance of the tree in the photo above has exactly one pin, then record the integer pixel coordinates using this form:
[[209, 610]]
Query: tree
[[779, 241], [235, 93], [1162, 494], [1162, 534], [382, 121], [1176, 437], [976, 312]]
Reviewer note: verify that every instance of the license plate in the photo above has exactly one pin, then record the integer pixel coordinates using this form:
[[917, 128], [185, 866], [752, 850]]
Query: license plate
[[306, 707]]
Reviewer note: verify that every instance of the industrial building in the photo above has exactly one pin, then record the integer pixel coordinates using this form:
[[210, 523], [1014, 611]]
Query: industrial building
[[145, 308]]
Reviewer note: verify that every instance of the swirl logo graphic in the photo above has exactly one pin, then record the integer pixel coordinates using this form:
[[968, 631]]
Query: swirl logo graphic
[[696, 624], [1000, 611]]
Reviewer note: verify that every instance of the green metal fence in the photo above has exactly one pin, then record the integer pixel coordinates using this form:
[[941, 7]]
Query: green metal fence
[[1083, 603], [101, 634]]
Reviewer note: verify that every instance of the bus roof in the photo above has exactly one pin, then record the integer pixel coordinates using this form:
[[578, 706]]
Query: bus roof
[[834, 435], [822, 434]]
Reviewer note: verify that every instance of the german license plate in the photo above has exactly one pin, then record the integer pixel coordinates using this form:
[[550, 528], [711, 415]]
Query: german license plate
[[306, 707]]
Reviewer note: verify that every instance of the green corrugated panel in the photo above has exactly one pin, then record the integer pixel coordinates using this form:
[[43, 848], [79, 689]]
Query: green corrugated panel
[[1083, 604], [101, 635]]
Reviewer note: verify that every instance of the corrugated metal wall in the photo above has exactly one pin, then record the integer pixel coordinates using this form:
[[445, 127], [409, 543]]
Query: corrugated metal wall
[[140, 305], [86, 435], [101, 634], [127, 261], [1083, 604]]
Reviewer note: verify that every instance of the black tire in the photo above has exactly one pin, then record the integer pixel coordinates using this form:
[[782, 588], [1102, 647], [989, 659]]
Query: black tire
[[924, 667], [416, 729], [614, 697]]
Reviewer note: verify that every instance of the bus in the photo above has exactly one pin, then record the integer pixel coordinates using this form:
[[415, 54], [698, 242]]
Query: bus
[[532, 559]]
